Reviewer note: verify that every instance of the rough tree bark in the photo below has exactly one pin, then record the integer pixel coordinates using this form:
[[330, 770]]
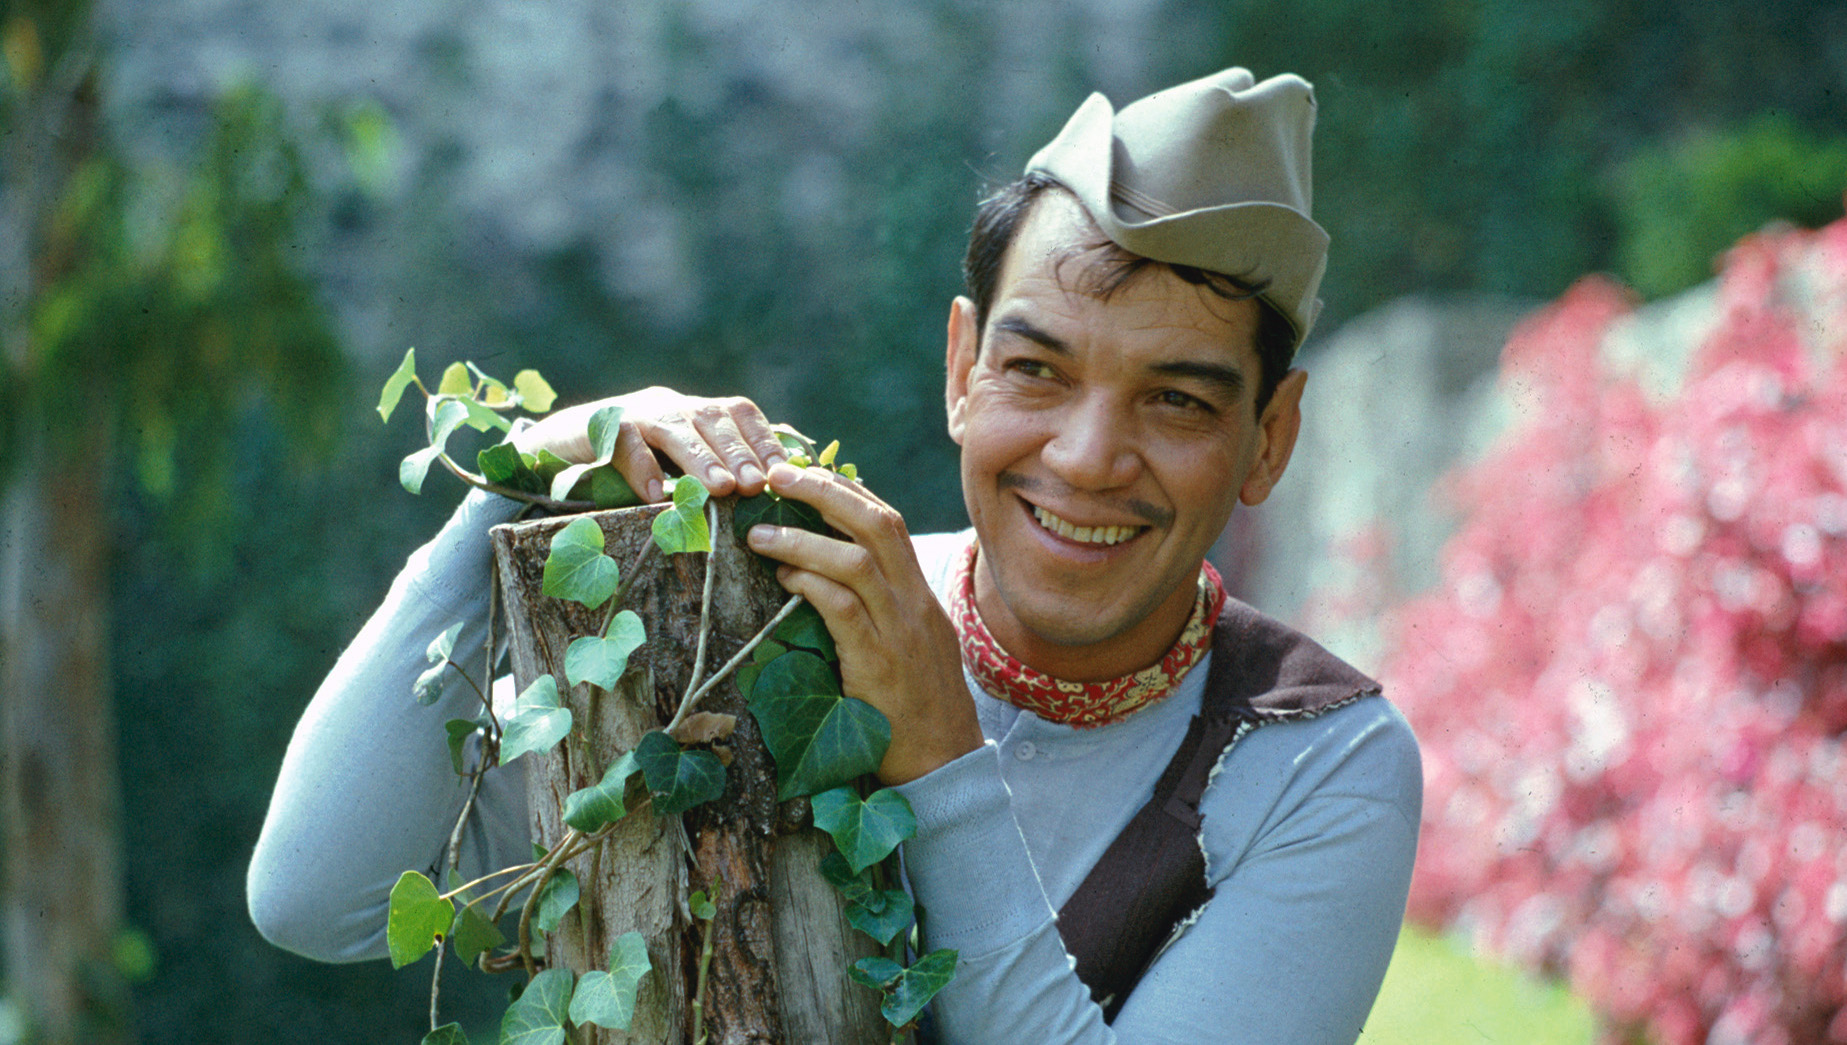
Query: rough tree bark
[[782, 943]]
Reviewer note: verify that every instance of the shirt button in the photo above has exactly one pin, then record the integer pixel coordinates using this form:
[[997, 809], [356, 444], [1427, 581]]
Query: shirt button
[[1025, 751]]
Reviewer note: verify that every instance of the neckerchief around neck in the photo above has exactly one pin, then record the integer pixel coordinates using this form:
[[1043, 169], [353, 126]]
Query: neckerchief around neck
[[1080, 704]]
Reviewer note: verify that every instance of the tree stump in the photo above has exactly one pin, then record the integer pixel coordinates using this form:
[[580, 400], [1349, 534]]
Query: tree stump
[[782, 943]]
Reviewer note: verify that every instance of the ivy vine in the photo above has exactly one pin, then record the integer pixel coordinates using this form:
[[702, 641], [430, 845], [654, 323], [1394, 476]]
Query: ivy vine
[[823, 743]]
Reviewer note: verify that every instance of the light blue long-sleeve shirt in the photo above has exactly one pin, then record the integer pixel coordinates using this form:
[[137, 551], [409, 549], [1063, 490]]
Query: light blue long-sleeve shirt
[[1310, 829]]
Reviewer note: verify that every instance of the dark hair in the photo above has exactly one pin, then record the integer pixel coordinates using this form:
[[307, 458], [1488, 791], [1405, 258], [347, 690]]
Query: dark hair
[[998, 219]]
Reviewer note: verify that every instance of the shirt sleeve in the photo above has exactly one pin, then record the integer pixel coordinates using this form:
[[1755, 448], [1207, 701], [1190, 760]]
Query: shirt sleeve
[[367, 789], [1310, 860]]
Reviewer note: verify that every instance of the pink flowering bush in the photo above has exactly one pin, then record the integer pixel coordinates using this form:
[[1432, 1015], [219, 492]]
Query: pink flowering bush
[[1631, 685]]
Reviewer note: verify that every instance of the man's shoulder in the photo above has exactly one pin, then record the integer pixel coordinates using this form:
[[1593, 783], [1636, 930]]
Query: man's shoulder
[[1264, 669]]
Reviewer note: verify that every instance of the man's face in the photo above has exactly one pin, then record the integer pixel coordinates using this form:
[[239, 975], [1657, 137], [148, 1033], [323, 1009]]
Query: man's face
[[1104, 443]]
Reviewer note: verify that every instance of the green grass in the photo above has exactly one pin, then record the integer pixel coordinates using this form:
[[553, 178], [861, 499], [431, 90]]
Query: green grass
[[1439, 993]]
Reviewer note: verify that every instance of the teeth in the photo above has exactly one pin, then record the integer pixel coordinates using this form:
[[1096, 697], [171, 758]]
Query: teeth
[[1084, 534]]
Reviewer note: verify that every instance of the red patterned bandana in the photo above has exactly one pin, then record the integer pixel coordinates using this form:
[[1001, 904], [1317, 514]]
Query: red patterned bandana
[[1081, 704]]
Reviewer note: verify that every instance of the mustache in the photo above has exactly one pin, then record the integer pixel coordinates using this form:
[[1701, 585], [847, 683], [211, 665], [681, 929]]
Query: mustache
[[1153, 515]]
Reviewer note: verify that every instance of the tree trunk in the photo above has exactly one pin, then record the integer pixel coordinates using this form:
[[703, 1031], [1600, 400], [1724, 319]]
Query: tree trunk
[[781, 943], [63, 875], [61, 885]]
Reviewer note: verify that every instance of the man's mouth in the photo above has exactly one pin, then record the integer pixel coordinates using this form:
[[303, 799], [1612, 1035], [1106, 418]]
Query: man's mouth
[[1099, 535]]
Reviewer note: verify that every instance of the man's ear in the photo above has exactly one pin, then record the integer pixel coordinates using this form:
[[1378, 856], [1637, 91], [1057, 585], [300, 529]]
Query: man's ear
[[1276, 434], [964, 342]]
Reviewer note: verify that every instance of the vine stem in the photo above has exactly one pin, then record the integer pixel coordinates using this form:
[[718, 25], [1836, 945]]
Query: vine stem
[[464, 887], [436, 981], [705, 966], [532, 898], [705, 597], [692, 697], [550, 504]]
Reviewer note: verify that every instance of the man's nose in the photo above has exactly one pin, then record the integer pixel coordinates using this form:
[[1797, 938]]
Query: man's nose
[[1094, 447]]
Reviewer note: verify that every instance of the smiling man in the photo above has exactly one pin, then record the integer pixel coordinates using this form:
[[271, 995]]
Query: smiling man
[[1146, 812]]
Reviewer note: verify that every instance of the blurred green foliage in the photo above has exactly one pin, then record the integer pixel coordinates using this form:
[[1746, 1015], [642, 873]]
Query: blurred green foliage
[[1683, 202]]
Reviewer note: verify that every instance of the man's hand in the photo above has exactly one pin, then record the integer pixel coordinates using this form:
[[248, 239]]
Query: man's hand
[[727, 443], [898, 651]]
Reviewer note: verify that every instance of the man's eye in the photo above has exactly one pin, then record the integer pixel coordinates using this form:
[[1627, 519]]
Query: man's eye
[[1029, 368], [1181, 400]]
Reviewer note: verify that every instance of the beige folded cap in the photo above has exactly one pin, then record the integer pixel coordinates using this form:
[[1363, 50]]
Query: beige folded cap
[[1212, 174]]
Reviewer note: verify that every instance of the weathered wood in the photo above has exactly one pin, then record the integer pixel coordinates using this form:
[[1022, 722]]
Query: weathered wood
[[782, 944]]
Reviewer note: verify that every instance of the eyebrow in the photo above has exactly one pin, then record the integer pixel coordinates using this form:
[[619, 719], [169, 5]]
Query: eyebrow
[[1228, 380]]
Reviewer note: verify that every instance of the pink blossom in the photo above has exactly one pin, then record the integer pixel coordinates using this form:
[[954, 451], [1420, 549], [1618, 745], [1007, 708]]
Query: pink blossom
[[1631, 682]]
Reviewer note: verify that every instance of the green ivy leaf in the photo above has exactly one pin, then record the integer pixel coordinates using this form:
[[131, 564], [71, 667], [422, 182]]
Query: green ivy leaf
[[447, 417], [601, 661], [917, 985], [538, 721], [447, 1034], [537, 1018], [678, 779], [534, 393], [459, 730], [893, 914], [607, 999], [600, 484], [429, 684], [604, 426], [804, 629], [865, 830], [456, 381], [493, 392], [395, 385], [746, 677], [546, 465], [560, 894], [604, 802], [701, 907], [610, 489], [771, 510], [856, 886], [484, 418], [819, 738], [682, 528], [473, 933], [876, 972], [418, 916], [500, 464], [576, 567]]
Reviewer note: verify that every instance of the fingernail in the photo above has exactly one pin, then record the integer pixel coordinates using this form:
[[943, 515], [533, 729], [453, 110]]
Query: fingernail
[[717, 475], [748, 475], [761, 535], [784, 472], [654, 489]]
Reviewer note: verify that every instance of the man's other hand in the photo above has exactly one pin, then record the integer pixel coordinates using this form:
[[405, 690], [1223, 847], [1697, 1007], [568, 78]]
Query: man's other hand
[[726, 443], [898, 651]]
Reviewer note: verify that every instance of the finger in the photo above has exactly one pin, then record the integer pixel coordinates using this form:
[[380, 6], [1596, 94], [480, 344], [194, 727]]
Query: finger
[[845, 505], [852, 567], [756, 430], [841, 608], [717, 423], [636, 461], [679, 439]]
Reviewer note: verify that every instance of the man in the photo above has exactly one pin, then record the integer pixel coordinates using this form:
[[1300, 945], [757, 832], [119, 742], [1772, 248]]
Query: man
[[1117, 381]]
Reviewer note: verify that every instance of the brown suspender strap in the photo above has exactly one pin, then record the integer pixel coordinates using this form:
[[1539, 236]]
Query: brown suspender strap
[[1152, 878]]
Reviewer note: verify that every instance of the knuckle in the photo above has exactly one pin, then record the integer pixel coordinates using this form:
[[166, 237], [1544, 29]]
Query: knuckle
[[859, 563], [891, 524]]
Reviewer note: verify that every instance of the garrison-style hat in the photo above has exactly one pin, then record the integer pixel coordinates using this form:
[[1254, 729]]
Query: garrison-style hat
[[1212, 174]]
